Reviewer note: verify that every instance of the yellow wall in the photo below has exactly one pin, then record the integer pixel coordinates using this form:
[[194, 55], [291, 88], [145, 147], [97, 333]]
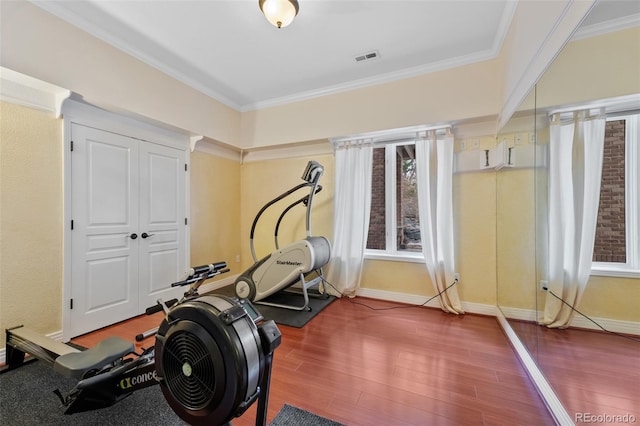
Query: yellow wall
[[398, 277], [454, 94], [474, 209], [30, 219], [599, 67], [215, 207], [614, 298], [515, 235]]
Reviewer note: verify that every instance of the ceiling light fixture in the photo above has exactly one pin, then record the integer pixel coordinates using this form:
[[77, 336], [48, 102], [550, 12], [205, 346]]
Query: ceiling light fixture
[[279, 12]]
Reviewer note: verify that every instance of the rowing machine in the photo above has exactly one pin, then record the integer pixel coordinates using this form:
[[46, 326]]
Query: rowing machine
[[212, 358]]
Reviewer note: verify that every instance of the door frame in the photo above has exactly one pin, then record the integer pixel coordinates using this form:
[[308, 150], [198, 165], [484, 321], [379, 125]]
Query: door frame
[[74, 111]]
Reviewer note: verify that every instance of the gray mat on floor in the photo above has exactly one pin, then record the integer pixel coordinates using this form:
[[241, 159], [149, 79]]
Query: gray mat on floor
[[294, 416], [284, 316], [27, 399]]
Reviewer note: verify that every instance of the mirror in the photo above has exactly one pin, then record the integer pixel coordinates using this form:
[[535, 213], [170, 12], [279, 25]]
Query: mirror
[[591, 371], [515, 223]]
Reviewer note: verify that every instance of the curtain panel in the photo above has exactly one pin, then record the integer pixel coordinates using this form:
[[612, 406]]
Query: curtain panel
[[352, 203], [434, 164], [575, 168]]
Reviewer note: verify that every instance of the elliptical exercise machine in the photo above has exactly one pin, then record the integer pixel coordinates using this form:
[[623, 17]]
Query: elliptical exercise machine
[[292, 263], [212, 358]]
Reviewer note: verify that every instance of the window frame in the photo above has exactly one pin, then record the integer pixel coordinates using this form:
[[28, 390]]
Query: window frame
[[630, 269], [391, 230]]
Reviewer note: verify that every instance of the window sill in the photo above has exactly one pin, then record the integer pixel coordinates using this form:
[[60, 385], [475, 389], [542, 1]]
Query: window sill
[[613, 271], [396, 257]]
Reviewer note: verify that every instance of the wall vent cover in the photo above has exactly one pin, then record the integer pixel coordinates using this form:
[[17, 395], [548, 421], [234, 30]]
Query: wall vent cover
[[368, 56]]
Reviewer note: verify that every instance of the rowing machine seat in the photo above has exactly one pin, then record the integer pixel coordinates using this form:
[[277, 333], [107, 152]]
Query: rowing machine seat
[[76, 364]]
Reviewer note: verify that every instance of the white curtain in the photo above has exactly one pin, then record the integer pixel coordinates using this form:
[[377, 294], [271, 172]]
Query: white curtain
[[352, 202], [575, 167], [434, 164]]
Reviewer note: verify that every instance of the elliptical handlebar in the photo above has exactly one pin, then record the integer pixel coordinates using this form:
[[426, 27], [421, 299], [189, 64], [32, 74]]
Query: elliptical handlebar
[[311, 177], [304, 200]]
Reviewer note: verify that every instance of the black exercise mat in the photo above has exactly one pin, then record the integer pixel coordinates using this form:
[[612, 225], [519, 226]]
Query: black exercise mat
[[285, 316], [27, 399]]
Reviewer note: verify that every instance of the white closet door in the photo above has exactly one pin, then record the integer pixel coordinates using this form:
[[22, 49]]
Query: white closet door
[[162, 222], [105, 201], [128, 202]]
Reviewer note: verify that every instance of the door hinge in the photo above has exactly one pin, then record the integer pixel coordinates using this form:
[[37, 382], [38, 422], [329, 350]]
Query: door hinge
[[185, 221], [185, 167], [70, 303], [71, 146], [72, 224]]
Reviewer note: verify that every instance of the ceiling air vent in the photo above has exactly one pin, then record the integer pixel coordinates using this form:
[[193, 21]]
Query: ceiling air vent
[[368, 56]]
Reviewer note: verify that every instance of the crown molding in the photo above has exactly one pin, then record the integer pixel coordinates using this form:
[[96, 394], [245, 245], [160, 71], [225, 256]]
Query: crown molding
[[374, 81], [606, 27], [20, 89], [208, 146], [304, 149]]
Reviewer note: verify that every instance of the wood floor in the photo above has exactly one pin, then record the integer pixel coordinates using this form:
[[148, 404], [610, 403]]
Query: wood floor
[[590, 371], [415, 366]]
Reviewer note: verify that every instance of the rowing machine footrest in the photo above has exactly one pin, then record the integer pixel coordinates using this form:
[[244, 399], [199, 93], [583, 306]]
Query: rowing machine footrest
[[75, 365]]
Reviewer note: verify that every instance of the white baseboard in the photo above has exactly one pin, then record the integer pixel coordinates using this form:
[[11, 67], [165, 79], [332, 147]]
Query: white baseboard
[[616, 326], [521, 314], [414, 299]]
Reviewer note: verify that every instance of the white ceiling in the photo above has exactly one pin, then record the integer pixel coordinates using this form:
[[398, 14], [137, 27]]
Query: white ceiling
[[227, 49]]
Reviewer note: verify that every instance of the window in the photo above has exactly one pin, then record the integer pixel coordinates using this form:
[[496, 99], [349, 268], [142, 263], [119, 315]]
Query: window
[[394, 224], [616, 249]]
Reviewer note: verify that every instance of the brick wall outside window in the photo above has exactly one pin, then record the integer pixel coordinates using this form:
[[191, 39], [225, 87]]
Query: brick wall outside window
[[610, 243], [407, 228], [376, 237]]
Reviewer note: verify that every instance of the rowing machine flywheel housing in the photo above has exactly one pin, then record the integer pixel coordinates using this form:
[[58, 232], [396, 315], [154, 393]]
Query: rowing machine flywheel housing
[[209, 359]]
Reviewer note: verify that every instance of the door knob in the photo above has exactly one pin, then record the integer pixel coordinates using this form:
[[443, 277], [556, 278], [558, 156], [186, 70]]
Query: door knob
[[133, 236], [145, 235]]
